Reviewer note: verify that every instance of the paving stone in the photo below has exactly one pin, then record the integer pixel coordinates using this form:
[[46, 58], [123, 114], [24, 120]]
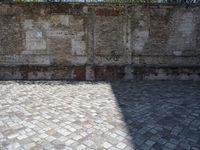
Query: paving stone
[[195, 148], [166, 148], [101, 115], [29, 145], [81, 147], [47, 145], [113, 148], [123, 134], [185, 145], [121, 145], [43, 135], [50, 138], [89, 143], [145, 147], [106, 145], [77, 137], [170, 145], [162, 141], [13, 146], [153, 131], [69, 142], [150, 143], [130, 148]]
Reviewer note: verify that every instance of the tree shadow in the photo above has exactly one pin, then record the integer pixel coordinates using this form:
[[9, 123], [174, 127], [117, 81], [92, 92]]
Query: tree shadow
[[160, 114]]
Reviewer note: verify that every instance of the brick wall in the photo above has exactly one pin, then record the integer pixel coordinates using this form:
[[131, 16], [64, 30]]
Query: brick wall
[[99, 42]]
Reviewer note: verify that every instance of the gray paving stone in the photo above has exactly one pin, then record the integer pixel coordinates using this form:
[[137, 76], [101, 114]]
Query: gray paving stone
[[121, 145], [145, 147], [102, 115], [106, 145], [150, 143], [29, 145], [170, 145], [185, 145]]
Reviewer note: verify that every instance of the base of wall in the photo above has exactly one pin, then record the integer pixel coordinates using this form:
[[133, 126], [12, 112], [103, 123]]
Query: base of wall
[[127, 72]]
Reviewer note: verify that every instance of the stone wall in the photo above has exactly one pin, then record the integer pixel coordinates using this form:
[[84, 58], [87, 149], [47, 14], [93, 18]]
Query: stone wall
[[99, 42]]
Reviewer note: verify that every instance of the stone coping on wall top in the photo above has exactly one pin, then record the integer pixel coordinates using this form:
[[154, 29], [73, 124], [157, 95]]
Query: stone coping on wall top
[[130, 65], [153, 5]]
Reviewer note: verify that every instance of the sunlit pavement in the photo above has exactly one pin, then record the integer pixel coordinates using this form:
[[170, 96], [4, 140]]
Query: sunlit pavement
[[101, 115]]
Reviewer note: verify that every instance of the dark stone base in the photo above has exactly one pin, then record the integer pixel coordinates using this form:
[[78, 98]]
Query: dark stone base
[[42, 73], [99, 72]]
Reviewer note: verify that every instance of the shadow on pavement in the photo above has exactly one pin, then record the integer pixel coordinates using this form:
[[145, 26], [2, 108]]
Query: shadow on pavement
[[160, 114]]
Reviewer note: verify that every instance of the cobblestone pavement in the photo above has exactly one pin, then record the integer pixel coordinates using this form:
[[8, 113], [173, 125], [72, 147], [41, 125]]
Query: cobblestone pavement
[[120, 115]]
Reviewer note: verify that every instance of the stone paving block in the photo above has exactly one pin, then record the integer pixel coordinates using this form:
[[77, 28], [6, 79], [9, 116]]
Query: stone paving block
[[13, 136], [150, 143], [75, 144], [121, 145], [20, 137], [43, 136], [117, 115], [69, 142], [185, 145], [170, 145], [81, 147], [113, 148], [29, 145], [106, 145], [145, 147], [77, 137], [13, 146], [89, 143]]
